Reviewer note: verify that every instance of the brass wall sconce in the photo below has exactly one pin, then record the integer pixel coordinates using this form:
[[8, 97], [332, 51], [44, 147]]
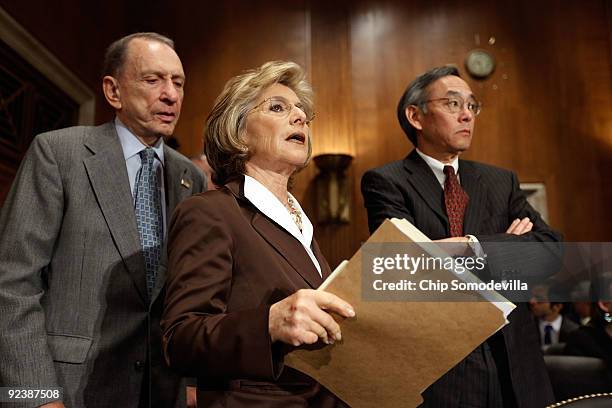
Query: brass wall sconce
[[333, 188]]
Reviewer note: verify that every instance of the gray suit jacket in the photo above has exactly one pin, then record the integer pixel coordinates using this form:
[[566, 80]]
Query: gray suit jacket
[[74, 308]]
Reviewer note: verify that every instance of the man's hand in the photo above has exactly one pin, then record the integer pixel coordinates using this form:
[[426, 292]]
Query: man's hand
[[303, 318], [520, 227], [192, 401], [54, 404]]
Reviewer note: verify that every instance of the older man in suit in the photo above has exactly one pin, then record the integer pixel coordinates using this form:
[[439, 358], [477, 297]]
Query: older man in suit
[[82, 240], [463, 201]]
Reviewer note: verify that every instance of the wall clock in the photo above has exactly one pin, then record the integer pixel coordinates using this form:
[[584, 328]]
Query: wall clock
[[479, 64]]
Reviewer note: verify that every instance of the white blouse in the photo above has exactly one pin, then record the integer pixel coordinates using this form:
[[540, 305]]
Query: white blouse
[[270, 205]]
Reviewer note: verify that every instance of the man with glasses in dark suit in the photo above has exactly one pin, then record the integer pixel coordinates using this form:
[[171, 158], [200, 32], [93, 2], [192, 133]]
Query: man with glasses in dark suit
[[463, 202]]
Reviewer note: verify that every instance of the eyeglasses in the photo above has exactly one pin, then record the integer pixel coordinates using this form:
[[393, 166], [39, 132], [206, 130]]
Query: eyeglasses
[[456, 105], [280, 107]]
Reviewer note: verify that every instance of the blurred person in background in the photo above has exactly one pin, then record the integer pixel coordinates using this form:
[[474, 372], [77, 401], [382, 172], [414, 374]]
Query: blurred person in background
[[553, 327], [595, 339]]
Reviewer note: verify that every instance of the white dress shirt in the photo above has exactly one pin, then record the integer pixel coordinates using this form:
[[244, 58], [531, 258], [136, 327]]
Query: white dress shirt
[[270, 205], [438, 167]]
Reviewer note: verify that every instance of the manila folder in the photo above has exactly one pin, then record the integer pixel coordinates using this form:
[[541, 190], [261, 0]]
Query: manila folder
[[392, 351]]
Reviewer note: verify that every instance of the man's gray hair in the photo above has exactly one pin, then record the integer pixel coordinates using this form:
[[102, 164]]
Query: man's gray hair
[[417, 95], [114, 58]]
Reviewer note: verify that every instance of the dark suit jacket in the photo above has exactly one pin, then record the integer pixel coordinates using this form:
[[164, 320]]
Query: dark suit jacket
[[74, 308], [228, 263], [409, 189], [591, 341]]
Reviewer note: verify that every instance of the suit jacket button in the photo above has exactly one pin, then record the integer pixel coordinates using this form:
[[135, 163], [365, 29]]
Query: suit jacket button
[[139, 365]]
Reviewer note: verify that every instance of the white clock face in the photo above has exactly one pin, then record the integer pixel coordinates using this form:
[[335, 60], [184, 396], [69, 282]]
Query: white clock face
[[480, 63]]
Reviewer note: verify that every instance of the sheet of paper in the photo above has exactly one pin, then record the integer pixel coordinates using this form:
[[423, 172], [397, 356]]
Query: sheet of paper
[[392, 351]]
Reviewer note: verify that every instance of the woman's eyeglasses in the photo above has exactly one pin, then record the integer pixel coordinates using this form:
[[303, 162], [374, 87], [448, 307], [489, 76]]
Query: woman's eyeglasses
[[280, 107]]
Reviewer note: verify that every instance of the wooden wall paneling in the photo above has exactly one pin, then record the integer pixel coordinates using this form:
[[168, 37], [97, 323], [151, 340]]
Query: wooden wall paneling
[[519, 98], [563, 83], [218, 40], [376, 136], [333, 127], [605, 163], [585, 111]]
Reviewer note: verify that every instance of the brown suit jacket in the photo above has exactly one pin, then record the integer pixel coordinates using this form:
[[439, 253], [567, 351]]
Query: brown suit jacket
[[228, 263]]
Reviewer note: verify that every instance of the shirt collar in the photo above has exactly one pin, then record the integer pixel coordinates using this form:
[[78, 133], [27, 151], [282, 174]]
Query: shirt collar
[[131, 145], [438, 167], [270, 205]]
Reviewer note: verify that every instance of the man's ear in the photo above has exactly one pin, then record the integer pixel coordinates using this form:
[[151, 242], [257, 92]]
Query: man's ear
[[414, 116], [110, 87]]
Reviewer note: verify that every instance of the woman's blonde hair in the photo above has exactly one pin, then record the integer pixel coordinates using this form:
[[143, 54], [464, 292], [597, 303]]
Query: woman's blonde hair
[[224, 144]]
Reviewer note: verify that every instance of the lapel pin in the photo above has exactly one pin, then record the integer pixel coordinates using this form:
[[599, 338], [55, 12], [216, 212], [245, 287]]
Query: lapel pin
[[186, 183]]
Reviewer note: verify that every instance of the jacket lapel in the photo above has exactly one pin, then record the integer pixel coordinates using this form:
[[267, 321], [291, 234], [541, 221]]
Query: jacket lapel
[[284, 243], [179, 184], [426, 184], [109, 180], [288, 247], [470, 181], [325, 268]]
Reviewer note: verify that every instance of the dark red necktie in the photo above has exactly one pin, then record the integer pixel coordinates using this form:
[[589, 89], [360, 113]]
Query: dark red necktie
[[456, 201]]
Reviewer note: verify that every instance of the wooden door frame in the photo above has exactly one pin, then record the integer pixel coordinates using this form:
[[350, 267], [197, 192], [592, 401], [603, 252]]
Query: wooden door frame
[[30, 49]]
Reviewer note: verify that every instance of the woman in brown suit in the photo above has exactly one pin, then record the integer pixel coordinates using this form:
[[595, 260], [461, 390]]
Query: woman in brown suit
[[243, 263]]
